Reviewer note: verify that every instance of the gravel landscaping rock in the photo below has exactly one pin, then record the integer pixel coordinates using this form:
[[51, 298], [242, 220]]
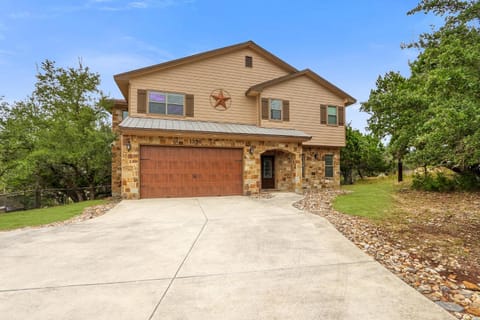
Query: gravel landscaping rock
[[419, 264], [87, 214], [450, 306]]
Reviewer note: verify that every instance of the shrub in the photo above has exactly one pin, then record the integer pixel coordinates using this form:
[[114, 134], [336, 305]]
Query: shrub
[[467, 182], [441, 182]]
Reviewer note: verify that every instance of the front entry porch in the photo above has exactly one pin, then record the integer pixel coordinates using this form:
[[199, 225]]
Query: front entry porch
[[278, 170]]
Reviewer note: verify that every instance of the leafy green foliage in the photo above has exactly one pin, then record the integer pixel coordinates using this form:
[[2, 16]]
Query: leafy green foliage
[[59, 137], [433, 117], [363, 154], [442, 182]]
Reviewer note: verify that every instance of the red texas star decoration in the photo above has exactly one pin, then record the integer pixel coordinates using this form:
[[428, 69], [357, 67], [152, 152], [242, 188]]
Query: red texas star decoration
[[220, 99]]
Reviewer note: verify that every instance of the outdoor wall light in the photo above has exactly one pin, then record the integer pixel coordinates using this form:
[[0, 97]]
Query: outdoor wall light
[[315, 156], [252, 149], [128, 145]]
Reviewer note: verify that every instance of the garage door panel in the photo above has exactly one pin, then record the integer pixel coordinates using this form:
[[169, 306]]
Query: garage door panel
[[187, 172]]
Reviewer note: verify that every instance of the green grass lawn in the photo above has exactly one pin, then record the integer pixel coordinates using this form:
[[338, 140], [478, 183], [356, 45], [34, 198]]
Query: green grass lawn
[[36, 217], [372, 198]]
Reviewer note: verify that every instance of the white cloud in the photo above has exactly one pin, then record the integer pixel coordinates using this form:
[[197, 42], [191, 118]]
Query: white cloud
[[20, 15], [102, 5], [108, 5], [138, 4]]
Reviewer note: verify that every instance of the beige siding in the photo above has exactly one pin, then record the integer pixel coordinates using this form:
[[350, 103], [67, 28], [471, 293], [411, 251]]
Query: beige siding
[[227, 72], [305, 98]]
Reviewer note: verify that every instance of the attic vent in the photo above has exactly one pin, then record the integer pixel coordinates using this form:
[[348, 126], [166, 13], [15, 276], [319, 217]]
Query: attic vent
[[248, 62]]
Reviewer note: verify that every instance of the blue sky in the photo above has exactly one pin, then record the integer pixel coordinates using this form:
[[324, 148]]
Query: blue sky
[[350, 42]]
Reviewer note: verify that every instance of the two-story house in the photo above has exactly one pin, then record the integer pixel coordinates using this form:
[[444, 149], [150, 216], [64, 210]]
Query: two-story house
[[230, 121]]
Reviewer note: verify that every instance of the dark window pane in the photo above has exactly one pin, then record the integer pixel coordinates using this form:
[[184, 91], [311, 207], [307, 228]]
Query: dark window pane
[[328, 160], [332, 119], [175, 109], [276, 114], [154, 107], [329, 172], [329, 166]]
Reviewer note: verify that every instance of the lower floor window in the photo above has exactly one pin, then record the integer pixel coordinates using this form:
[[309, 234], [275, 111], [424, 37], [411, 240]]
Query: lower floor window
[[329, 166], [303, 165]]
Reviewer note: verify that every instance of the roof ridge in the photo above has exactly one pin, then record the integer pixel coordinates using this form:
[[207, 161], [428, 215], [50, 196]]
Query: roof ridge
[[122, 78]]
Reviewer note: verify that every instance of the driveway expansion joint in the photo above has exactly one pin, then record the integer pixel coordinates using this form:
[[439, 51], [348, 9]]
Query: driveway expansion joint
[[328, 265], [183, 261], [83, 285]]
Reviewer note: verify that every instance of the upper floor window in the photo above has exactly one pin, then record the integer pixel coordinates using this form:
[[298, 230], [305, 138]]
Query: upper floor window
[[166, 103], [332, 115], [124, 114], [329, 166], [276, 109]]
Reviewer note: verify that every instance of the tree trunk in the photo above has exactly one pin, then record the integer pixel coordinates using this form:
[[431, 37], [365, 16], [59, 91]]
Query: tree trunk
[[72, 194], [348, 176], [360, 173], [38, 195], [38, 198], [92, 192], [400, 170]]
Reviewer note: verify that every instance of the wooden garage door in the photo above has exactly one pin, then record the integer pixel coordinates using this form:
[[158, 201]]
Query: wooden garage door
[[189, 172]]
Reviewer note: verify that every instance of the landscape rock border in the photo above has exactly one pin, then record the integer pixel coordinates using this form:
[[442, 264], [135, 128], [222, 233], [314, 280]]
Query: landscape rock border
[[461, 298]]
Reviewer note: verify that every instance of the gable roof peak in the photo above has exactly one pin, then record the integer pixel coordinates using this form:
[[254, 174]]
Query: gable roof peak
[[122, 78], [255, 90]]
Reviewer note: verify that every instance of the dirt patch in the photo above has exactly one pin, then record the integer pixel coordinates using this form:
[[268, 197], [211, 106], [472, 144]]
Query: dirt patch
[[432, 242], [443, 226]]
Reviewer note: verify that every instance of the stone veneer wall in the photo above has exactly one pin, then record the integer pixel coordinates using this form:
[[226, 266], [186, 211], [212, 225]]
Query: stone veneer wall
[[251, 162], [314, 175], [116, 152], [284, 171]]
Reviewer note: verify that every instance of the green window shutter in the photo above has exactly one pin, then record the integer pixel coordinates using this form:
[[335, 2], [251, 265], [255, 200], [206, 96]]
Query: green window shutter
[[189, 105], [341, 116], [141, 101], [323, 114], [264, 109], [286, 110]]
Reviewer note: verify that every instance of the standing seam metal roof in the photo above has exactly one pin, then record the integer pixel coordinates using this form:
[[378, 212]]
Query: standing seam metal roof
[[207, 127]]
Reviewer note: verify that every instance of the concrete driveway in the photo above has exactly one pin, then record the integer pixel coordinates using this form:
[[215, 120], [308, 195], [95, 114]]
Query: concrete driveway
[[205, 258]]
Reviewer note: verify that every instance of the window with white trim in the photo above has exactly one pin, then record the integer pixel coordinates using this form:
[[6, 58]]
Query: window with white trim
[[275, 109], [332, 115], [166, 103]]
